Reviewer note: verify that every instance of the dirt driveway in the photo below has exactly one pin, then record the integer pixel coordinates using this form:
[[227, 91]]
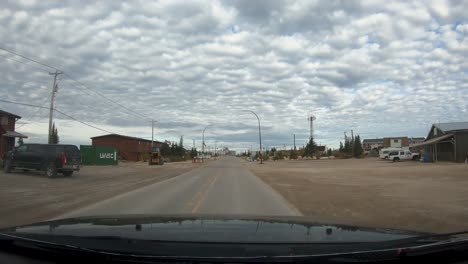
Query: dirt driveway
[[368, 192], [27, 197]]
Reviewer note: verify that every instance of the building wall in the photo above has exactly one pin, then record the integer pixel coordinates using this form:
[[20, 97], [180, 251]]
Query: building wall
[[128, 148], [402, 142], [461, 139], [6, 144], [371, 146]]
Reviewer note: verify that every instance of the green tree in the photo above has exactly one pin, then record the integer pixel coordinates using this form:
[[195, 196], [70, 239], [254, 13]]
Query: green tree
[[310, 148], [293, 154], [347, 146], [358, 151], [341, 147], [329, 152], [54, 137], [181, 142], [193, 153]]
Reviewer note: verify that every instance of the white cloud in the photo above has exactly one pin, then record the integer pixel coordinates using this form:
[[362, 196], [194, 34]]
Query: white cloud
[[183, 64]]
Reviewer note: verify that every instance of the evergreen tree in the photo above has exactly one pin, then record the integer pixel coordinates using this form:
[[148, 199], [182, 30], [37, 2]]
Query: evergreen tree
[[347, 146], [341, 147], [310, 148], [358, 147], [54, 138]]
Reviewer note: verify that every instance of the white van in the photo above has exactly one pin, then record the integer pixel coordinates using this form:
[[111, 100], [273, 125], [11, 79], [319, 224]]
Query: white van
[[383, 153]]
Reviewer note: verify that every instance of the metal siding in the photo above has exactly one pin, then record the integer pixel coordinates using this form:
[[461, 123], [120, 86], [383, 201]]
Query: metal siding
[[87, 155], [462, 146], [105, 155]]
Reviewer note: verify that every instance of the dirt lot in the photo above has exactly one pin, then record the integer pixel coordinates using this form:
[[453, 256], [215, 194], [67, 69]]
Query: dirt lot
[[22, 198], [370, 192]]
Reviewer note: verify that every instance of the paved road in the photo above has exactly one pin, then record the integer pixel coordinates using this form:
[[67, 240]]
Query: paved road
[[224, 186]]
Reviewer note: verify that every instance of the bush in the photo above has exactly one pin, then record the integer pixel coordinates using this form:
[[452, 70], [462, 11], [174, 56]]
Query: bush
[[144, 157]]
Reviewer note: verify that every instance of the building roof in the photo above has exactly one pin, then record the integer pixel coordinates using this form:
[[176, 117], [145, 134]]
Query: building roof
[[373, 140], [128, 137], [8, 114], [453, 126], [9, 133], [432, 140]]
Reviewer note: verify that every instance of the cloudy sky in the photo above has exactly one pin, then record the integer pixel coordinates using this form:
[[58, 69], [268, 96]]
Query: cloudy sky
[[381, 68]]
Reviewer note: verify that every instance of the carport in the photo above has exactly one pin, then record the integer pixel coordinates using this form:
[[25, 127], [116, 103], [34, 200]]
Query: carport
[[446, 142], [440, 148]]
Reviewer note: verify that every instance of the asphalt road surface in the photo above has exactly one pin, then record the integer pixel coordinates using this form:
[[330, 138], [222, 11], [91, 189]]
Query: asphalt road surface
[[223, 186]]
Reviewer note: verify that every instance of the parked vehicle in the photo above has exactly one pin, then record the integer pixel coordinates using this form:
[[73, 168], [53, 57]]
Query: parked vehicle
[[51, 159], [402, 155], [383, 154]]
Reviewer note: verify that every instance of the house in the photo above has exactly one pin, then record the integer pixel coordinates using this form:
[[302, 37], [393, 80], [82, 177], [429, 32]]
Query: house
[[395, 142], [7, 132], [128, 148], [372, 144], [446, 142]]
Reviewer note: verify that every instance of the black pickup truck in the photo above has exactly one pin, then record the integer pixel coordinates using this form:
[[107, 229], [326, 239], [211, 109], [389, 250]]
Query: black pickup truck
[[50, 158]]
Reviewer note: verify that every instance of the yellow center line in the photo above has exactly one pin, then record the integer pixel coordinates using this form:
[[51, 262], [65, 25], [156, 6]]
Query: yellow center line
[[199, 193], [203, 196]]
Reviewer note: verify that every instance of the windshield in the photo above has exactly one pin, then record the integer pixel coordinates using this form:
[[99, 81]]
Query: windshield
[[252, 108]]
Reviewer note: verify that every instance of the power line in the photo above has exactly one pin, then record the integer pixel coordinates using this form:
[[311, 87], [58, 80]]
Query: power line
[[22, 62], [58, 111], [107, 98], [29, 59], [82, 84]]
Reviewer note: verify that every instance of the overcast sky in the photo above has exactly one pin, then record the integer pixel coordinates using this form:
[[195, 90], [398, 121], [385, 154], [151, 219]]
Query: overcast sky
[[381, 68]]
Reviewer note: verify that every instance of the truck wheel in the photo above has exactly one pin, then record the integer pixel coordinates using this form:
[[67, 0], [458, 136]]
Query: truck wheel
[[7, 166], [50, 170], [67, 173], [396, 159], [415, 158]]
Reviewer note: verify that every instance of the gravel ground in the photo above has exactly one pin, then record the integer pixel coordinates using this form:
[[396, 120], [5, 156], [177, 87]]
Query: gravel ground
[[369, 192], [27, 197]]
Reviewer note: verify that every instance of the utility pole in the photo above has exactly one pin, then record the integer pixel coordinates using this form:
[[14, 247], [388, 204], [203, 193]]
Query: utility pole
[[152, 135], [203, 143], [259, 134], [352, 143], [294, 135], [52, 98]]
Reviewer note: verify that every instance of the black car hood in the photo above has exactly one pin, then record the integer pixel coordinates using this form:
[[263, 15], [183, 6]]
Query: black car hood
[[210, 229]]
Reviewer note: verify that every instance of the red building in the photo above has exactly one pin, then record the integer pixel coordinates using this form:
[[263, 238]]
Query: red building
[[7, 132], [128, 148]]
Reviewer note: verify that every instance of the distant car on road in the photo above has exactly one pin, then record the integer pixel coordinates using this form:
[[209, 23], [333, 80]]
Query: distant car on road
[[399, 155], [51, 158]]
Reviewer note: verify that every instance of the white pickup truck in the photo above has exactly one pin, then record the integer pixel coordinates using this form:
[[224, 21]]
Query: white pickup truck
[[397, 155]]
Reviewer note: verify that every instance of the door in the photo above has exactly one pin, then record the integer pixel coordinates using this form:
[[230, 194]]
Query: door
[[34, 156], [407, 155], [20, 156]]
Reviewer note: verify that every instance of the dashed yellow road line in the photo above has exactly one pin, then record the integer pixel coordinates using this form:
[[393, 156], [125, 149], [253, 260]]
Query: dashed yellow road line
[[203, 194]]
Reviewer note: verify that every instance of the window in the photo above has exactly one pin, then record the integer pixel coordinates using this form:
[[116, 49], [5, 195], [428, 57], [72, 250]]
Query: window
[[402, 153], [22, 149], [395, 141]]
